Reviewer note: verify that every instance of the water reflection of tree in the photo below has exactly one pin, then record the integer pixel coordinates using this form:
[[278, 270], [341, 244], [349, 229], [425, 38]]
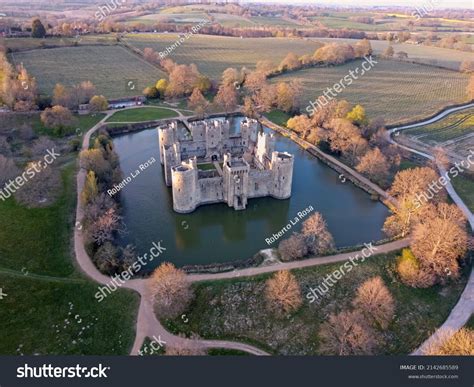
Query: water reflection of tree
[[201, 227]]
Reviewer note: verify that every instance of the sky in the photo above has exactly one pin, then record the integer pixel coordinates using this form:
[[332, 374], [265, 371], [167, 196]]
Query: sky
[[469, 4]]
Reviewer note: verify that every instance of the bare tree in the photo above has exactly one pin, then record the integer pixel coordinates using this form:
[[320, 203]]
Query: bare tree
[[375, 165], [448, 343], [171, 290], [347, 333], [293, 247], [439, 240], [105, 227], [317, 236], [374, 300], [407, 188], [227, 98], [283, 293]]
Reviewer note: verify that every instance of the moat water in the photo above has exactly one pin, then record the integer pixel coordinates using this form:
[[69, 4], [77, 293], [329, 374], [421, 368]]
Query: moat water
[[217, 233]]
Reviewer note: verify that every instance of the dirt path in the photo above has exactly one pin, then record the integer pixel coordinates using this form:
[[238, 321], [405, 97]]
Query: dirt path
[[147, 324], [464, 308]]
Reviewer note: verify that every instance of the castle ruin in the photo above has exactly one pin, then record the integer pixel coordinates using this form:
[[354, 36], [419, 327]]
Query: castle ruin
[[204, 163]]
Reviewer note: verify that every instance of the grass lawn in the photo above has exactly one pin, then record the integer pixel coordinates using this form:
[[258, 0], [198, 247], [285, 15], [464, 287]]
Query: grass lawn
[[226, 352], [206, 167], [142, 114], [236, 310], [278, 117], [50, 307], [464, 186]]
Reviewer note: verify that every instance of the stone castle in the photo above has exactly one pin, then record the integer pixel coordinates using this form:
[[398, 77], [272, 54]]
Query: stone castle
[[205, 163]]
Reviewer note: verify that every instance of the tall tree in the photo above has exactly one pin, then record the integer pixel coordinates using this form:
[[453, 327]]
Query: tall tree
[[171, 290], [37, 29], [226, 98]]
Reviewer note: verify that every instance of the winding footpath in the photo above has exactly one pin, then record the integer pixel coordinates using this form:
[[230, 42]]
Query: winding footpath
[[148, 325], [464, 308]]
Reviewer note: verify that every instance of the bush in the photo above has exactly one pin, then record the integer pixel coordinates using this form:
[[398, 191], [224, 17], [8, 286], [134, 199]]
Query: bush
[[410, 272]]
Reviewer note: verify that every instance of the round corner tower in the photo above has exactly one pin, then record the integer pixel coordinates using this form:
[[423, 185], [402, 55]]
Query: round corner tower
[[282, 167], [184, 182]]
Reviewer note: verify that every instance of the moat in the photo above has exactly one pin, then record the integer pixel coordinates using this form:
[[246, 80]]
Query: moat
[[217, 233]]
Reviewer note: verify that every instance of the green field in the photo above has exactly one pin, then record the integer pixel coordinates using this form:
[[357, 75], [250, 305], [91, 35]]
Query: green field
[[214, 54], [142, 114], [396, 91], [110, 68], [24, 44], [452, 126], [50, 308], [236, 310], [464, 186]]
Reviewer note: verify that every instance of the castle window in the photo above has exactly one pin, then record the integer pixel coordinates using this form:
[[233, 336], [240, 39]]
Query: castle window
[[256, 186]]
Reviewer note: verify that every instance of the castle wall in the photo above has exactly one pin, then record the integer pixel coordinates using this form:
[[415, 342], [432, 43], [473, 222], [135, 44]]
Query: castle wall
[[211, 190], [260, 183]]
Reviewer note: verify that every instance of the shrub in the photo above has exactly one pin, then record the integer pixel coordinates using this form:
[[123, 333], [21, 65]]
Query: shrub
[[410, 272]]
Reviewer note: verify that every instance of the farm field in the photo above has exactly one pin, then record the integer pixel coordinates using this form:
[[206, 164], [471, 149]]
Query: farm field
[[25, 44], [214, 54], [110, 68], [443, 57], [396, 91]]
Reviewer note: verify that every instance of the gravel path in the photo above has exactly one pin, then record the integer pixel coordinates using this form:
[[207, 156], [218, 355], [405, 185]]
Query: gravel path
[[464, 308]]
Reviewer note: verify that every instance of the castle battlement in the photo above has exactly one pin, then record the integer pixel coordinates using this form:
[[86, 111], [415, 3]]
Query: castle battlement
[[204, 163]]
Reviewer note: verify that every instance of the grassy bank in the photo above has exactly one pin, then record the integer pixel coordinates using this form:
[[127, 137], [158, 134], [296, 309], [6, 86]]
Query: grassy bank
[[50, 307]]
